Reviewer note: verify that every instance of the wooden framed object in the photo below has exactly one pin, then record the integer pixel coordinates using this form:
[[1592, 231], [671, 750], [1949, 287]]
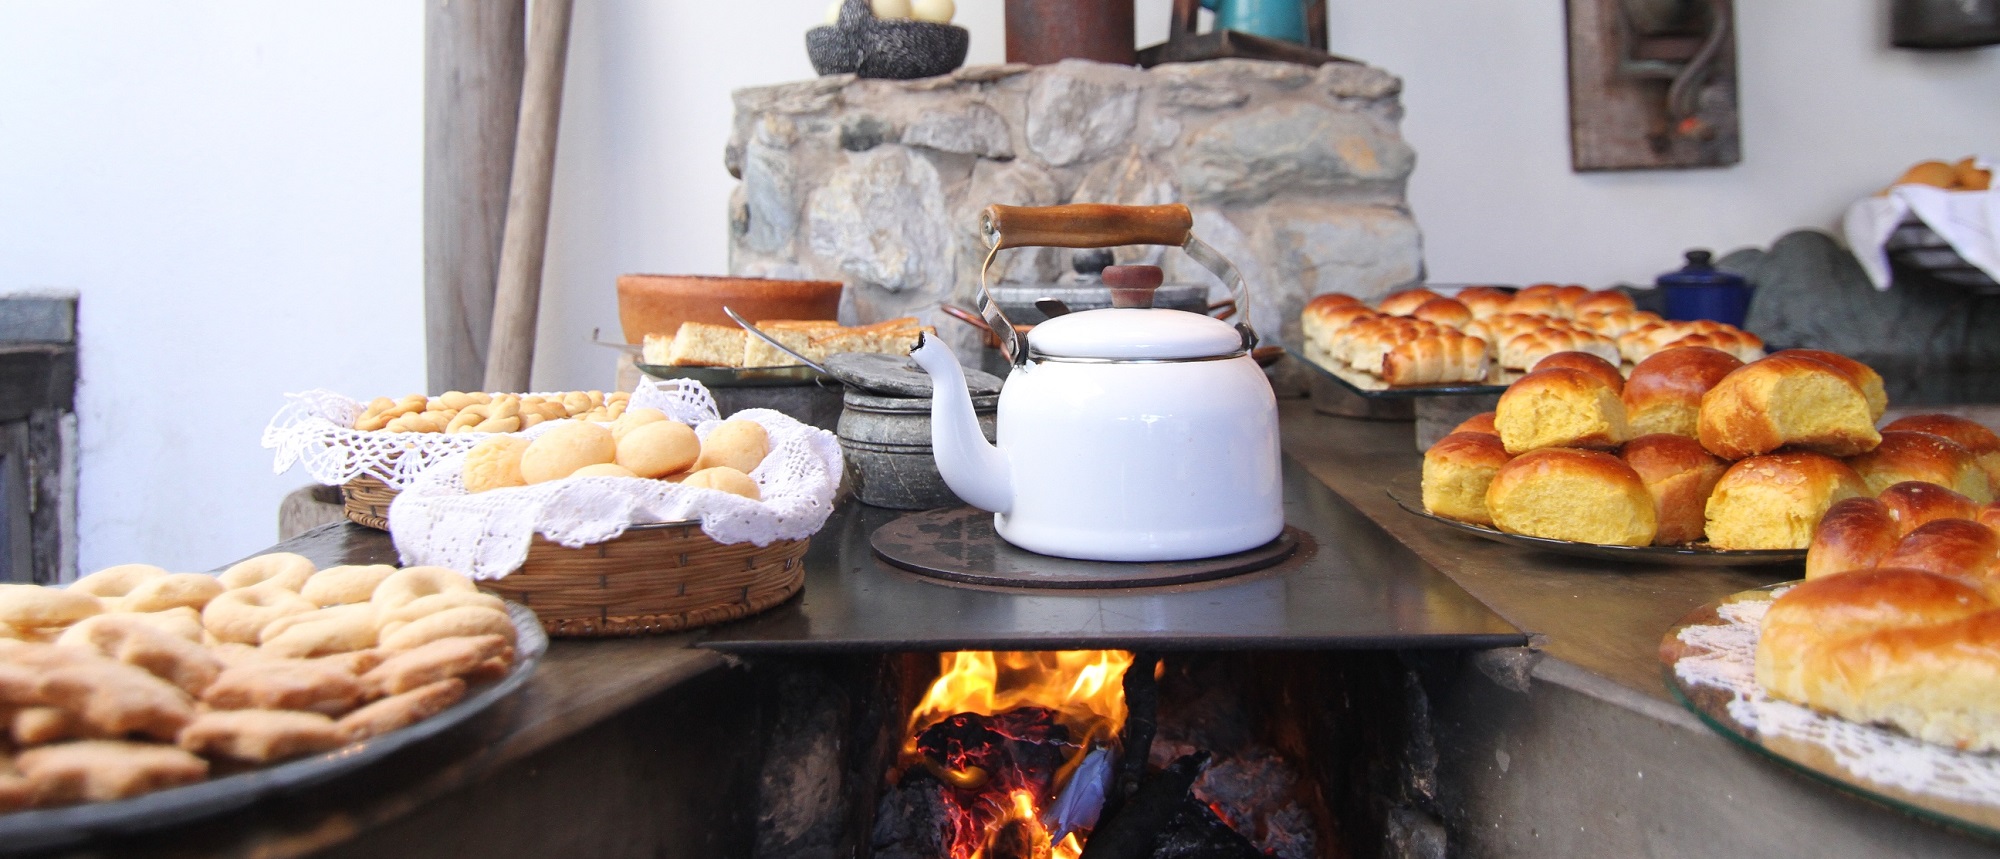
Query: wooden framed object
[[1652, 84]]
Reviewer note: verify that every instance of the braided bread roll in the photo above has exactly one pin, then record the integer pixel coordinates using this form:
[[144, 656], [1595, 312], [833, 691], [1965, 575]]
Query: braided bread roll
[[1742, 344], [1443, 311], [1615, 323], [1370, 340], [1483, 301], [1447, 356], [1604, 301], [1313, 318], [1401, 303], [1330, 326], [1522, 350]]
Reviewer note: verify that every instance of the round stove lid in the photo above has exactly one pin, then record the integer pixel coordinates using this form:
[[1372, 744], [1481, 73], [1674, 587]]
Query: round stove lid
[[899, 375], [1131, 333]]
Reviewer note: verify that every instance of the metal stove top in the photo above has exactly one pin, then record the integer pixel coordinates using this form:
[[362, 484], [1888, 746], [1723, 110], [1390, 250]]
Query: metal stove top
[[1350, 586]]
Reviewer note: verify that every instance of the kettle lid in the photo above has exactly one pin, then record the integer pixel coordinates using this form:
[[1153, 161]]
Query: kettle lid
[[1134, 334]]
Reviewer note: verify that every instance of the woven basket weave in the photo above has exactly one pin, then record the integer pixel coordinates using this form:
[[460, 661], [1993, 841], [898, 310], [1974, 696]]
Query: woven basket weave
[[366, 499], [653, 578]]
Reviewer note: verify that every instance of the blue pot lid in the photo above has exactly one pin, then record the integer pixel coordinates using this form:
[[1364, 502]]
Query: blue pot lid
[[1700, 272]]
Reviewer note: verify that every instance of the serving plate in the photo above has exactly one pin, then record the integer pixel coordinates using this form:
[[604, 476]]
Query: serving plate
[[740, 377], [1408, 494], [1709, 661], [40, 829]]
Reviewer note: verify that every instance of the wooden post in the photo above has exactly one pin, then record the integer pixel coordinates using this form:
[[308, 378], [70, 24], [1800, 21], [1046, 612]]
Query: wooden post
[[511, 358], [472, 93]]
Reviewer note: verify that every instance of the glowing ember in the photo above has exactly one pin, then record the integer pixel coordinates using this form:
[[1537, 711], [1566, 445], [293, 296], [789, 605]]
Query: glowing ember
[[1006, 730]]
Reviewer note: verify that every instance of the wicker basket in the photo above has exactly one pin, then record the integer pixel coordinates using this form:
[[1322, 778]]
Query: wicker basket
[[366, 501], [653, 578]]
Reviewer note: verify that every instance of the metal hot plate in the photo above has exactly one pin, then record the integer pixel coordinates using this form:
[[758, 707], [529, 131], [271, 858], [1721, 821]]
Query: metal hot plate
[[958, 544]]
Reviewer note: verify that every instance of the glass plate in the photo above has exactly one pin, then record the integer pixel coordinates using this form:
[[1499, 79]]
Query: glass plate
[[1711, 704], [55, 827], [740, 377], [1407, 495]]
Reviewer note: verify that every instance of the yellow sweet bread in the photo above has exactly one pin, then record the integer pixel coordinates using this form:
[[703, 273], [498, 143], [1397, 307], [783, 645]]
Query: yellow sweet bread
[[1904, 455], [1458, 469], [660, 448], [1560, 407], [1775, 501], [1786, 400], [1679, 475], [1568, 494], [738, 444]]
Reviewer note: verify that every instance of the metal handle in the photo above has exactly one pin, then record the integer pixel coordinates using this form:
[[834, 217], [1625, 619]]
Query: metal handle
[[1096, 225]]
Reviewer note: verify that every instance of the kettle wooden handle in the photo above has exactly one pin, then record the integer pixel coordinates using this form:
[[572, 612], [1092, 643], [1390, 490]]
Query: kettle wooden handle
[[1085, 225]]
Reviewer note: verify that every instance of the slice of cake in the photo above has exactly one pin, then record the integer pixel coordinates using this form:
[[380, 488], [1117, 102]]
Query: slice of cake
[[699, 344], [656, 349]]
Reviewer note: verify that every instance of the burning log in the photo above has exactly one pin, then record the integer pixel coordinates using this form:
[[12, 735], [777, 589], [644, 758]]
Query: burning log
[[1142, 708], [1196, 832], [1138, 824]]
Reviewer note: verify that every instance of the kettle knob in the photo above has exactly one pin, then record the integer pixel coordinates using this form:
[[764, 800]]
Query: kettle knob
[[1133, 285]]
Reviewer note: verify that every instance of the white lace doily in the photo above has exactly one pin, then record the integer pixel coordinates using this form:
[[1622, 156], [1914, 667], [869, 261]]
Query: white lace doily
[[316, 428], [1724, 656], [434, 520]]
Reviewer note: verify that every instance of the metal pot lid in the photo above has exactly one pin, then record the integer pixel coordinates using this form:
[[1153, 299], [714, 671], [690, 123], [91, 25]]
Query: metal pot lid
[[1132, 333], [899, 376]]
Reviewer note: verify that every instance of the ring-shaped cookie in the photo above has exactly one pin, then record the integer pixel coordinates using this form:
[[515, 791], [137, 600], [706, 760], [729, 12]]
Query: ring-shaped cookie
[[241, 615], [283, 569], [117, 581], [345, 585], [425, 606], [34, 605], [190, 590], [450, 623], [339, 629], [411, 583]]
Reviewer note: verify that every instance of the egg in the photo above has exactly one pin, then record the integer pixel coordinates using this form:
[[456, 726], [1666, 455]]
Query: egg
[[934, 11], [891, 8]]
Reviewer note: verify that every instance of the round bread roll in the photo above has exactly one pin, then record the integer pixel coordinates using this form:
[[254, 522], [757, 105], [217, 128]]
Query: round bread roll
[[633, 419], [1983, 442], [1405, 302], [1664, 391], [1560, 407], [1483, 301], [1785, 400], [1803, 622], [1479, 423], [1458, 469], [726, 479], [1960, 548], [1605, 301], [738, 444], [495, 463], [660, 448], [1679, 474], [1905, 455], [559, 452], [1443, 311], [1934, 683], [604, 469], [1855, 534], [283, 569], [1568, 494], [1913, 503], [1863, 375], [1593, 364], [1775, 501]]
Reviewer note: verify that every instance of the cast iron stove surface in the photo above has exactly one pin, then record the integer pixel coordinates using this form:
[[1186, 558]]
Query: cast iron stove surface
[[1349, 586], [959, 544]]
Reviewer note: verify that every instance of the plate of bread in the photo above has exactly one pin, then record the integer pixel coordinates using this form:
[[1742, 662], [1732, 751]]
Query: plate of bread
[[727, 356], [1479, 339], [137, 698], [1880, 671], [1697, 455]]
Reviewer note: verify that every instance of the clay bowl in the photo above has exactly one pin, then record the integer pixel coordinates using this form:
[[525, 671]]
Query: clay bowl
[[659, 303]]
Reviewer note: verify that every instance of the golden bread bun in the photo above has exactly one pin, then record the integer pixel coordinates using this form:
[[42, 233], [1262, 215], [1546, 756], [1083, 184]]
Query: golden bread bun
[[1617, 323], [1568, 494], [1934, 683], [1905, 455], [1328, 328], [1483, 301], [1569, 297], [1560, 407], [1679, 474], [1457, 471], [1913, 503], [1989, 516], [1775, 501], [1315, 316], [1976, 437], [495, 463], [738, 444], [1443, 311], [633, 419], [726, 479], [1593, 364], [1523, 350], [559, 452], [1365, 343], [1530, 301], [1604, 301], [1742, 344], [1804, 622], [1664, 391], [1960, 548], [1403, 303], [1855, 534], [1447, 356], [658, 449], [1479, 423], [1970, 176], [1934, 173], [1785, 400], [1862, 374]]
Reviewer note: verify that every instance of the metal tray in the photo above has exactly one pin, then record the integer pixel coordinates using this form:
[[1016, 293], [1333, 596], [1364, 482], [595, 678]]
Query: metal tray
[[1372, 387], [40, 829], [1407, 495], [1812, 760], [740, 377]]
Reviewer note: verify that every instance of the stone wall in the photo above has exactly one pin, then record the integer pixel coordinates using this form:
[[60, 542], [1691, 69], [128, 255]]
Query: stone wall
[[1296, 174]]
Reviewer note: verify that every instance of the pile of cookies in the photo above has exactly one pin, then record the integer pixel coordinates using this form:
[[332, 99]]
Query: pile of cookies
[[1419, 337], [640, 443], [457, 411], [134, 679]]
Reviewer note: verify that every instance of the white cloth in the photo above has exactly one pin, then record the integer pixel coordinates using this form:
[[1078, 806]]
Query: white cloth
[[1969, 221]]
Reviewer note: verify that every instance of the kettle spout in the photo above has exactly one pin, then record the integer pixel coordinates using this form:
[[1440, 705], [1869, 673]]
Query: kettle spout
[[975, 470]]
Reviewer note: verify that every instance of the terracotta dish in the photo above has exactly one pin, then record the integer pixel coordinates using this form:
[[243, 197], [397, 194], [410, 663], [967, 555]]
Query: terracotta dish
[[659, 303]]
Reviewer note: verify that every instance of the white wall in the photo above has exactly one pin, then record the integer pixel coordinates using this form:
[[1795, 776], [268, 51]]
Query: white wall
[[234, 189], [234, 186]]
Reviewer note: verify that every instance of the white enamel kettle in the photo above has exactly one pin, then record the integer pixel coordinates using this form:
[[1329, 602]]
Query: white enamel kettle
[[1128, 433]]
